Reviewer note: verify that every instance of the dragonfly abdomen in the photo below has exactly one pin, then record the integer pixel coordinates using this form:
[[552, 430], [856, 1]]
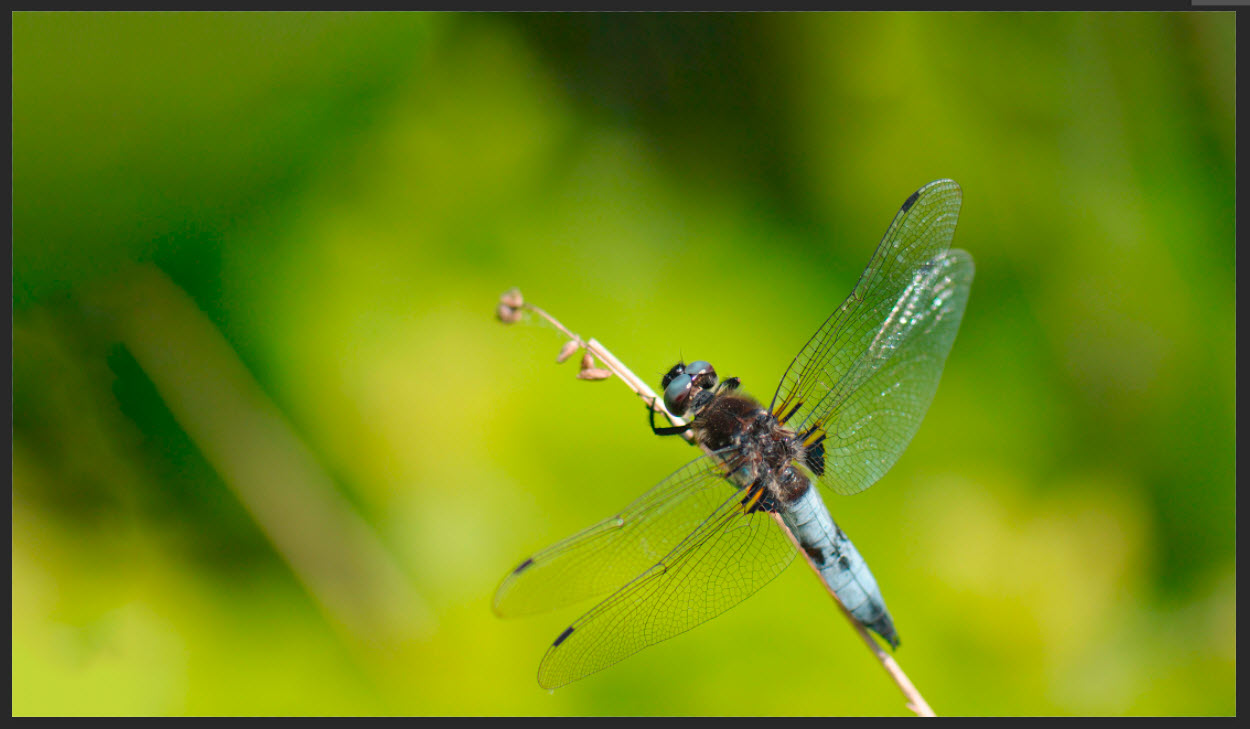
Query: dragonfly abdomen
[[840, 564]]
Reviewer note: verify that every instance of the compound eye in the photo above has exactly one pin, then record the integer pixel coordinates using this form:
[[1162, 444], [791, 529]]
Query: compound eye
[[703, 374], [677, 394], [677, 369]]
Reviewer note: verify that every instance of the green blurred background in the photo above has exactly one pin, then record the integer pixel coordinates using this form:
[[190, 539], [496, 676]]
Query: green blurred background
[[272, 452]]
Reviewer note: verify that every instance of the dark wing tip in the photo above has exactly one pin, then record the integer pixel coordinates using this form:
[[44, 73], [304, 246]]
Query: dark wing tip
[[502, 591], [958, 263], [960, 257], [496, 605], [943, 184], [567, 632]]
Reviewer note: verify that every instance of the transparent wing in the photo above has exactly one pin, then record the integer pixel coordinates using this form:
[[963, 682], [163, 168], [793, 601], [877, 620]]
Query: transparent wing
[[730, 556], [609, 554], [848, 348], [921, 229], [868, 423]]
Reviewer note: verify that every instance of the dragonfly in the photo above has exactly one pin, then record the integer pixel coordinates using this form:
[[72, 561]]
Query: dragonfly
[[704, 539]]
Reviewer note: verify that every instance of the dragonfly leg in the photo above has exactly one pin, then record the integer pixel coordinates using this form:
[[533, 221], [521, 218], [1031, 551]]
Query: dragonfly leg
[[673, 430]]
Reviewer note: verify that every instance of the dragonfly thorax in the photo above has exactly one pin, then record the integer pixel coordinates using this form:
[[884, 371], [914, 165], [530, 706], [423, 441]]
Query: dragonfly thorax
[[759, 451]]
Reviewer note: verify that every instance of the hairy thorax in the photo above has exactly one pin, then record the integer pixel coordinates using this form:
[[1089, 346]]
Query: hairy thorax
[[764, 452]]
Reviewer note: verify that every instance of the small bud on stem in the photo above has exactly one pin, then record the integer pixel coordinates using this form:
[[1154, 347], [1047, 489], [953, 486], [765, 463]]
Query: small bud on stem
[[510, 303]]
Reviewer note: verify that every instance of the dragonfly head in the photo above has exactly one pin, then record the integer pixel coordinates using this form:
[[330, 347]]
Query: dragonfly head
[[685, 380]]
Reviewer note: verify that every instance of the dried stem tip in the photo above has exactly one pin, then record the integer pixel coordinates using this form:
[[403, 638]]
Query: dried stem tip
[[512, 298], [510, 303]]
